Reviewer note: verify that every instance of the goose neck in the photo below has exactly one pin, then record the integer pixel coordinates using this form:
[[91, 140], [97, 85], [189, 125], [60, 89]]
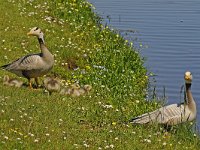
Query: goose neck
[[190, 100]]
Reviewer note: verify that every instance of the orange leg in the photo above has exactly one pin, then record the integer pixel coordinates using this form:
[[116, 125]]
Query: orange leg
[[30, 85]]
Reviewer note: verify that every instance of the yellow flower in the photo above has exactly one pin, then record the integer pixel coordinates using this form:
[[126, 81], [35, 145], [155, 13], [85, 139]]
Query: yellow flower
[[114, 123], [87, 67]]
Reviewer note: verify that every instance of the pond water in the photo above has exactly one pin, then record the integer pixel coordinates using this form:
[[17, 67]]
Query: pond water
[[170, 34]]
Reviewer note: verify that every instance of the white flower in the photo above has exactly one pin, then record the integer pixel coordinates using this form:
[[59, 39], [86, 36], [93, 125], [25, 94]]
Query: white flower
[[36, 140], [47, 134], [164, 143]]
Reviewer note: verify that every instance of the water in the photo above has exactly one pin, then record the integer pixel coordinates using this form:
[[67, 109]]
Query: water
[[171, 32]]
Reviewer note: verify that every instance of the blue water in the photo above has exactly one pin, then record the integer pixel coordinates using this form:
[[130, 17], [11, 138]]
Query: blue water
[[170, 34]]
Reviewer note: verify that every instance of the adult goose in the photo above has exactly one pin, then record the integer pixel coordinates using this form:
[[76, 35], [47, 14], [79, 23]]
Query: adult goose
[[175, 113], [33, 65]]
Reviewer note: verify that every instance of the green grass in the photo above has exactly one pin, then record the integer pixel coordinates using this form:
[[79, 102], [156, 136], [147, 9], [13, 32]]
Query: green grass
[[30, 119]]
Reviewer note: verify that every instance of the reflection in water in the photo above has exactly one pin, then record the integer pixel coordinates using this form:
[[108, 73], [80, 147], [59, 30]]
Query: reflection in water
[[171, 31]]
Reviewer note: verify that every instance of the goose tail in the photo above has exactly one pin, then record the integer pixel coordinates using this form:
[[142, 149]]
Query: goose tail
[[145, 118], [5, 66]]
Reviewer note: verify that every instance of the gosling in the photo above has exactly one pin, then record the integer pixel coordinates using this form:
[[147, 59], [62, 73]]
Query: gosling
[[51, 85], [12, 82]]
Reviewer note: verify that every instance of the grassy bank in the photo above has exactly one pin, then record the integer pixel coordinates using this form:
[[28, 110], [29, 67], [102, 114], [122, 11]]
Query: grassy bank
[[88, 53]]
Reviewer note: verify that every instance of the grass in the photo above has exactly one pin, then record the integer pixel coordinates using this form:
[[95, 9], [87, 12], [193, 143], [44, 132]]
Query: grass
[[30, 119]]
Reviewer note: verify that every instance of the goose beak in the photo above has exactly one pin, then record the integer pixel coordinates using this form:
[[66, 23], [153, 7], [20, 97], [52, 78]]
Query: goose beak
[[188, 78], [29, 33]]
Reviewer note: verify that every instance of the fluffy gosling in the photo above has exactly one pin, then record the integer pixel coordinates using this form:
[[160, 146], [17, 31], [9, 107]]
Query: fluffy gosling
[[12, 81], [51, 85]]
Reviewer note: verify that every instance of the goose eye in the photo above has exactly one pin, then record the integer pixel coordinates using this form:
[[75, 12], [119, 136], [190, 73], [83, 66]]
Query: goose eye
[[36, 28]]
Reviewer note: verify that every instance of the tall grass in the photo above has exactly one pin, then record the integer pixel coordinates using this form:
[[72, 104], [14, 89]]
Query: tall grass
[[74, 34]]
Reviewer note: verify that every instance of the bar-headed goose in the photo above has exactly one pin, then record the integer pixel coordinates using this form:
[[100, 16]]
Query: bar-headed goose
[[175, 113], [33, 65], [51, 85]]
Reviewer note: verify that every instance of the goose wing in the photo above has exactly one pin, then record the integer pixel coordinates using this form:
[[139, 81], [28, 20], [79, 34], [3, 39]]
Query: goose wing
[[170, 114], [28, 62]]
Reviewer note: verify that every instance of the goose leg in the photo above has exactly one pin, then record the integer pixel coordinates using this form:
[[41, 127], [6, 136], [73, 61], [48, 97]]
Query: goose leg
[[30, 85], [37, 82]]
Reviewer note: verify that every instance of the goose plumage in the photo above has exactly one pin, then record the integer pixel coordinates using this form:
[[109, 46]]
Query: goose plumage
[[33, 65], [175, 113]]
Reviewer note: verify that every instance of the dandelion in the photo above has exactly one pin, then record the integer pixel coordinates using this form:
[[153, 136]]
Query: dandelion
[[87, 67], [114, 123], [137, 101]]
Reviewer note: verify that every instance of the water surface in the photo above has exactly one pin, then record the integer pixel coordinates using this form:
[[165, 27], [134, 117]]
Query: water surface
[[170, 31]]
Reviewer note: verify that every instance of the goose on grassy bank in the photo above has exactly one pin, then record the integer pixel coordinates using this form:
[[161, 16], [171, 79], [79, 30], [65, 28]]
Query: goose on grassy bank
[[172, 114], [33, 65]]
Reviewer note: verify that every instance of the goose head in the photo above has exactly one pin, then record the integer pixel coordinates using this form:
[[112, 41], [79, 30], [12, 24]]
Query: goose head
[[75, 86], [36, 32], [6, 78], [188, 77], [87, 87]]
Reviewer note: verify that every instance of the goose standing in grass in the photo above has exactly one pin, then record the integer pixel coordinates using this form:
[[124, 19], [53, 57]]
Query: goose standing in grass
[[33, 65], [172, 114], [51, 85], [11, 81]]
